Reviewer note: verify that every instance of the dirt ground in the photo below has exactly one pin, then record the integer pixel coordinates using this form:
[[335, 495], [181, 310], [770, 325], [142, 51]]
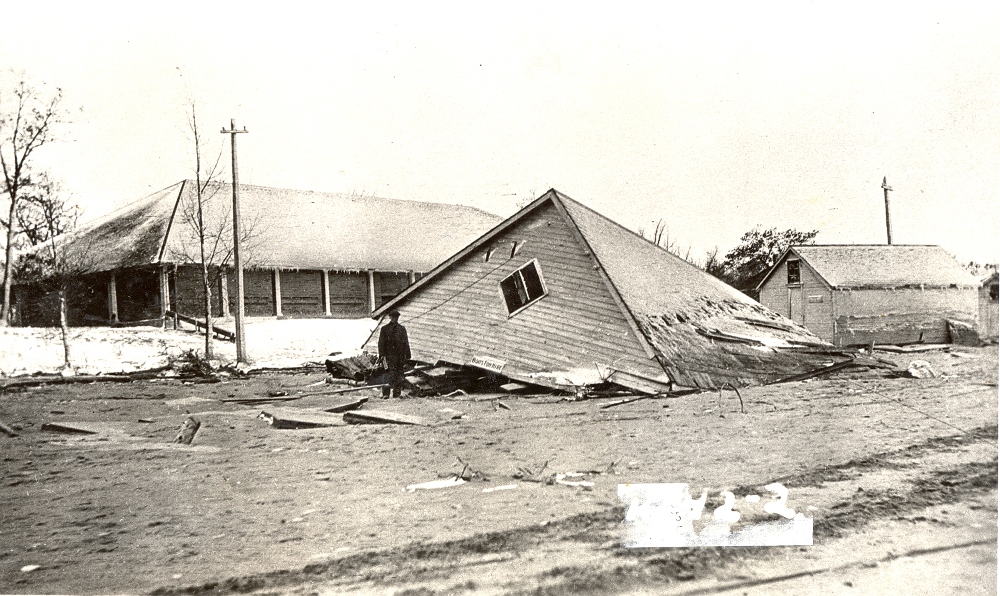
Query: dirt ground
[[900, 476]]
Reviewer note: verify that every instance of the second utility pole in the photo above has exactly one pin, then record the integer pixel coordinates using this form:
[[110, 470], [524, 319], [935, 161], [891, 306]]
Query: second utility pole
[[241, 349], [888, 222]]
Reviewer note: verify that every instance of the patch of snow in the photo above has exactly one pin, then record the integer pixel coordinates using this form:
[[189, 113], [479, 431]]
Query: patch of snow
[[271, 343]]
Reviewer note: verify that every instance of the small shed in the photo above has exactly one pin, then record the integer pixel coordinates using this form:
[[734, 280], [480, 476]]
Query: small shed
[[856, 294], [559, 295], [988, 308], [305, 254]]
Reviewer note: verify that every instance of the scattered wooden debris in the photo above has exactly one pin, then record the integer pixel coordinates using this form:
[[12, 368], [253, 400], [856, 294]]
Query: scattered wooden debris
[[622, 402], [911, 348], [347, 406], [433, 484], [496, 488], [514, 387], [219, 332], [963, 334], [342, 391], [10, 432], [528, 475], [498, 405], [358, 367], [187, 431], [77, 428], [381, 417], [249, 401], [60, 380], [443, 379], [297, 418]]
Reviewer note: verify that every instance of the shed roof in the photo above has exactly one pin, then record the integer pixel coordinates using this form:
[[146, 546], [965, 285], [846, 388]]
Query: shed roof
[[286, 228], [703, 332], [883, 265]]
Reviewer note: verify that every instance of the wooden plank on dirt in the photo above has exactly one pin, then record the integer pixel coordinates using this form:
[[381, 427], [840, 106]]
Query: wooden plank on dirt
[[514, 387], [256, 400], [10, 432], [912, 348], [817, 372], [77, 428], [59, 380], [382, 417], [347, 406], [296, 418]]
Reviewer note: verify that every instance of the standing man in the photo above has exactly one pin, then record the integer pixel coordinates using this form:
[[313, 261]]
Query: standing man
[[394, 347]]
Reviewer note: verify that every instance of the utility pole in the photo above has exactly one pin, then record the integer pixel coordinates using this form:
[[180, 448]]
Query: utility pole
[[241, 349], [888, 222]]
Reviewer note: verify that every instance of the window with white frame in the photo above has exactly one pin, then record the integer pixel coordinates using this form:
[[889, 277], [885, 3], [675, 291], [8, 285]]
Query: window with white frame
[[522, 287]]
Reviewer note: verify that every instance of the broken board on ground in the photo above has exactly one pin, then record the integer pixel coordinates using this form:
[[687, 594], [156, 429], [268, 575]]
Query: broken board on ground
[[296, 418], [85, 428], [346, 406], [382, 417]]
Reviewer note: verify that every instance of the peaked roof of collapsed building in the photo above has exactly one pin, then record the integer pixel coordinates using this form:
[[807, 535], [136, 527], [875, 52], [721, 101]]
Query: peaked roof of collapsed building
[[702, 332], [864, 266], [294, 229]]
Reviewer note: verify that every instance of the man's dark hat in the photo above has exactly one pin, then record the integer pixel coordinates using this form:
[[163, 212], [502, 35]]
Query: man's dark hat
[[393, 313]]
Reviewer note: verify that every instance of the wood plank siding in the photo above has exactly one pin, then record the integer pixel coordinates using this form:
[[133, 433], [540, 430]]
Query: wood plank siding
[[349, 295], [901, 315], [258, 292], [302, 294], [388, 285], [189, 295], [809, 303], [460, 314]]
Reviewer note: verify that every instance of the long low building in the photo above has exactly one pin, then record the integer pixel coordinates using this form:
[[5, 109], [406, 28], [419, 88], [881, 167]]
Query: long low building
[[306, 254]]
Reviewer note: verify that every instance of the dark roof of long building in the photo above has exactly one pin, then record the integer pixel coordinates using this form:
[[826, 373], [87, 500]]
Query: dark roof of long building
[[293, 229], [883, 265], [702, 331]]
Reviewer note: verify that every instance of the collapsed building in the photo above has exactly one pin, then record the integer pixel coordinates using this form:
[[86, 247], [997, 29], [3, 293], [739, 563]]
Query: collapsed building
[[305, 254], [561, 296], [854, 294]]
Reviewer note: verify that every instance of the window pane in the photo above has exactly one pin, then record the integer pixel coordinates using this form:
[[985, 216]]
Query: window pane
[[532, 282], [793, 272], [522, 292], [509, 289]]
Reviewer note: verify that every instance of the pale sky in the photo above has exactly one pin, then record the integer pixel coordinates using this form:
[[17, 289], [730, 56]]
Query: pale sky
[[715, 118]]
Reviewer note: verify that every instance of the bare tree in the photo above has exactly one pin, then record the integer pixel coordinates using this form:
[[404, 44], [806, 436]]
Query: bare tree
[[26, 121], [47, 222], [195, 217], [211, 245], [661, 237]]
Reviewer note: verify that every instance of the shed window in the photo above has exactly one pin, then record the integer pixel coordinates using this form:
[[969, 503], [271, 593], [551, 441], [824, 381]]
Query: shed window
[[522, 287], [793, 272], [993, 292]]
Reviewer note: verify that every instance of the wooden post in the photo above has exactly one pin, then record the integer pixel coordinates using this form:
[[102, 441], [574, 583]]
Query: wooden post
[[224, 291], [241, 351], [371, 291], [412, 275], [164, 294], [277, 292], [888, 222], [326, 292], [113, 299]]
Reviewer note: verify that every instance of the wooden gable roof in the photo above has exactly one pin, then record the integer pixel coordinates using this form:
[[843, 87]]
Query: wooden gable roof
[[702, 332]]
